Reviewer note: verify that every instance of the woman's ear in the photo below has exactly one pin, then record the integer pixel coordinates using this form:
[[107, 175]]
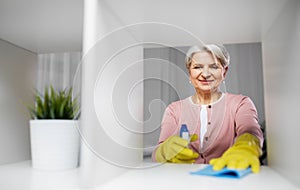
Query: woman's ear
[[225, 72]]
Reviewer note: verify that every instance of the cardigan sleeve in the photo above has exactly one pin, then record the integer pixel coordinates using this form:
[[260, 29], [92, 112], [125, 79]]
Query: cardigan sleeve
[[169, 122], [168, 125], [246, 119]]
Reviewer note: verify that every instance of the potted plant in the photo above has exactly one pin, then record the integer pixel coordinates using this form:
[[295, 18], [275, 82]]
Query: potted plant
[[54, 135]]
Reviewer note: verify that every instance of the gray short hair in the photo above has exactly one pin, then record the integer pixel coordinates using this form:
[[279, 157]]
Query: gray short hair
[[218, 51]]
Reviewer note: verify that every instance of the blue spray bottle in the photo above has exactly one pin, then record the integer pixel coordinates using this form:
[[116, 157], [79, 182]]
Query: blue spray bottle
[[184, 132]]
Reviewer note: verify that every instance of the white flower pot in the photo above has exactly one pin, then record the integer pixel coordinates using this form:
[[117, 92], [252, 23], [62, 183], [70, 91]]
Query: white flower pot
[[54, 144]]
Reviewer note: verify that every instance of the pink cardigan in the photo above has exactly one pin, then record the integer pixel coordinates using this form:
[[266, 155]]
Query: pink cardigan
[[228, 118]]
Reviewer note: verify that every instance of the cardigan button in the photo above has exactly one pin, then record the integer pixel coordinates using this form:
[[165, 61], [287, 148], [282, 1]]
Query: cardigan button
[[209, 106]]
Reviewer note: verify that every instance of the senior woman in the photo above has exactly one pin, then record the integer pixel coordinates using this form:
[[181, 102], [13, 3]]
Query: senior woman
[[223, 127]]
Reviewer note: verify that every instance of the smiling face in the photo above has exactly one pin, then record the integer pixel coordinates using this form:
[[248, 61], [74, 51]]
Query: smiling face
[[206, 73]]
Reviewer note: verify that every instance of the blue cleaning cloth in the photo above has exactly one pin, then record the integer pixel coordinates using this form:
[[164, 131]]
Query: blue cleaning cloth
[[224, 173]]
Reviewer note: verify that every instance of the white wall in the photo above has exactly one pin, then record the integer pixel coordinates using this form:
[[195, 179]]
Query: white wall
[[281, 47], [17, 76]]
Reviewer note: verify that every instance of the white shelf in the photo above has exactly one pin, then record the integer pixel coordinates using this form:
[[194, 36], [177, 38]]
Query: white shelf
[[167, 176], [171, 176], [21, 176]]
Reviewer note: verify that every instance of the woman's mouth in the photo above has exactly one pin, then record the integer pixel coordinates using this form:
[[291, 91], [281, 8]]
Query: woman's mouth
[[205, 82]]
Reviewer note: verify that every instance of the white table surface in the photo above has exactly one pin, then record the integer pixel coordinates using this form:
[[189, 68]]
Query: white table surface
[[21, 176]]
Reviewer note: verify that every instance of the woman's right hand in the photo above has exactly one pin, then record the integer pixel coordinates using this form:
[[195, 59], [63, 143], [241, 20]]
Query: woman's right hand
[[175, 150]]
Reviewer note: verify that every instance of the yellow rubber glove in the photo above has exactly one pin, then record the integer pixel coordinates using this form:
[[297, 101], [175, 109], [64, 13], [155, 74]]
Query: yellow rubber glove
[[175, 150], [244, 153]]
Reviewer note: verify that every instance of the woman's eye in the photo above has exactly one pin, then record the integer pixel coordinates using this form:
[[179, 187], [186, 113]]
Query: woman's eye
[[214, 67], [197, 67]]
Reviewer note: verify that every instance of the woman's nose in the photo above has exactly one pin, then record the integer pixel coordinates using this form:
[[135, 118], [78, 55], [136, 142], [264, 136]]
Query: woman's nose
[[205, 73]]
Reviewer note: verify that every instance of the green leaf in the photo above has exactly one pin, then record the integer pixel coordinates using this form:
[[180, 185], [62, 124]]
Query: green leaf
[[46, 103], [62, 108]]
